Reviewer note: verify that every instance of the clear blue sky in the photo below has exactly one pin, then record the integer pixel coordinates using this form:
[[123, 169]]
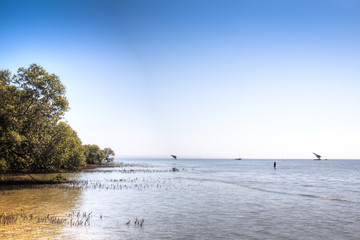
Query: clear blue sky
[[201, 78]]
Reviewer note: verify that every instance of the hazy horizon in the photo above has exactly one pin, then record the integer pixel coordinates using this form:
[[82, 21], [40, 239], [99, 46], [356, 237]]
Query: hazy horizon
[[252, 79], [204, 157]]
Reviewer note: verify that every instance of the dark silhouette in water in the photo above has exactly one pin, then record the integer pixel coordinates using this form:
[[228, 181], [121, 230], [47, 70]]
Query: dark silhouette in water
[[274, 164], [318, 157]]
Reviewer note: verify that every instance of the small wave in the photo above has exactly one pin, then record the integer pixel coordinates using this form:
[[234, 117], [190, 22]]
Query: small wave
[[334, 199], [307, 195]]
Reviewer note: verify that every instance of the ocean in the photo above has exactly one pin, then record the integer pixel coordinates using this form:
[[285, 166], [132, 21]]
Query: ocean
[[193, 199]]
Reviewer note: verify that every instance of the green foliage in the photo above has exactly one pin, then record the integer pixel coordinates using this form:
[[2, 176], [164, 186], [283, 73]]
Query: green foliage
[[32, 102], [3, 166], [31, 137], [93, 154], [108, 153], [63, 151]]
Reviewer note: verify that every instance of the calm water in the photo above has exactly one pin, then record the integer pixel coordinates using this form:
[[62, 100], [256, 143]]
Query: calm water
[[206, 199]]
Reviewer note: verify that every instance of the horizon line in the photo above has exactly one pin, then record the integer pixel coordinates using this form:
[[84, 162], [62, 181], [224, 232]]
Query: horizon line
[[224, 158]]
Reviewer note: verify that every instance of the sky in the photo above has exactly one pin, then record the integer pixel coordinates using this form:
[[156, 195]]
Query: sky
[[200, 78]]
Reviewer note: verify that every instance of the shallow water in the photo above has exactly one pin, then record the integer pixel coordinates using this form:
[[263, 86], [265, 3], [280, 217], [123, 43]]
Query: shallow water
[[206, 199]]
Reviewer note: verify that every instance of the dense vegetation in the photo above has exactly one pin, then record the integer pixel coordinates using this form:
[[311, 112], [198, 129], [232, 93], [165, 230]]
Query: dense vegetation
[[33, 137]]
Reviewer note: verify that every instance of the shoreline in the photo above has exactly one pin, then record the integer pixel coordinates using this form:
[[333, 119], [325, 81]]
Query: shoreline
[[10, 179]]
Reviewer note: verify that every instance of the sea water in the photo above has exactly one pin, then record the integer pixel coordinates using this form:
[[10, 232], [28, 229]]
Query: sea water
[[196, 199]]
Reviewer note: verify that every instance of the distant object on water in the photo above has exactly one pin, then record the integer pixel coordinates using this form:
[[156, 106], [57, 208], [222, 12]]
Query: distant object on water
[[174, 157], [318, 157], [238, 158], [274, 164]]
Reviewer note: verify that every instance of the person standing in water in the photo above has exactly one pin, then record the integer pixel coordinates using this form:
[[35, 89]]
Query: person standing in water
[[274, 164]]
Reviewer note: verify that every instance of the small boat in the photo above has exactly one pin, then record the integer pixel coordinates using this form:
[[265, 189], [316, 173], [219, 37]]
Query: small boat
[[174, 157], [318, 157], [237, 158]]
